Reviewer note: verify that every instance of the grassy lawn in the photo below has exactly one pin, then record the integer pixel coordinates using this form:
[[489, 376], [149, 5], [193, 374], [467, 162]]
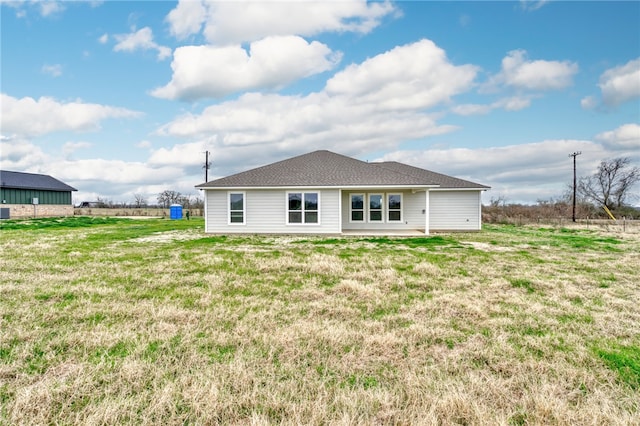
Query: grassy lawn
[[111, 321]]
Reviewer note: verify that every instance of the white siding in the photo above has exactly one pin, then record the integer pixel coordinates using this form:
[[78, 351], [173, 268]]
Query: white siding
[[454, 210], [413, 216], [266, 212]]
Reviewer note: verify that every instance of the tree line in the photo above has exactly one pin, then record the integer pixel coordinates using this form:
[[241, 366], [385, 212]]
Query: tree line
[[611, 186], [163, 200]]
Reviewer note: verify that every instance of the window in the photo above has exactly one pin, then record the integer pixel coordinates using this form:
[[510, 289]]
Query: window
[[375, 207], [311, 207], [302, 207], [357, 207], [394, 207], [236, 208]]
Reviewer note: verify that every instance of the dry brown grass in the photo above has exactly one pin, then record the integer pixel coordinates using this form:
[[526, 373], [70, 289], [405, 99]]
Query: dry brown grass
[[120, 324]]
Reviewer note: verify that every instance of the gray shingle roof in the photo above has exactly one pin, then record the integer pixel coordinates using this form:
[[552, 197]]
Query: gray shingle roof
[[444, 181], [328, 169], [19, 180]]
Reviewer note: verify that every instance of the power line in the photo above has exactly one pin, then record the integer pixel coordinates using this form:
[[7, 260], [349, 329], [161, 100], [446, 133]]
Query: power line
[[574, 155]]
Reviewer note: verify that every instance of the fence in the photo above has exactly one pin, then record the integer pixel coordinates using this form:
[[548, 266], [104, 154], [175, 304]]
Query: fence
[[133, 212], [620, 225]]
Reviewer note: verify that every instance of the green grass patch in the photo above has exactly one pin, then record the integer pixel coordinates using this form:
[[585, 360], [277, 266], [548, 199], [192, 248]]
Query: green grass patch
[[361, 381], [623, 359], [111, 354], [523, 283], [576, 239], [51, 223], [575, 318]]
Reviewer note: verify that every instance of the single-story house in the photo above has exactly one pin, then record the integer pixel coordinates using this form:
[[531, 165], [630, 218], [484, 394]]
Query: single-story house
[[327, 193], [34, 195]]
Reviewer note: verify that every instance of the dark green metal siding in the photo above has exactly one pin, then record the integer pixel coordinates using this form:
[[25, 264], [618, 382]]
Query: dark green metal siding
[[26, 196]]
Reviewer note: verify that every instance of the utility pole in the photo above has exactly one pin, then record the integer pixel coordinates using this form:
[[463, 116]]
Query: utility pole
[[574, 155], [206, 166]]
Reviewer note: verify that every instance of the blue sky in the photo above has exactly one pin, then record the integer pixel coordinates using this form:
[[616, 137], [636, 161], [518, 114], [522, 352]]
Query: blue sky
[[119, 98]]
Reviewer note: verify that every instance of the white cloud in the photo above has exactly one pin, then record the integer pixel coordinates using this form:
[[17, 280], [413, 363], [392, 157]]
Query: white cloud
[[144, 144], [539, 75], [187, 18], [44, 8], [256, 121], [257, 128], [278, 53], [31, 117], [140, 40], [472, 109], [625, 137], [209, 71], [19, 154], [118, 171], [104, 38], [409, 77], [524, 173], [500, 164], [588, 102], [50, 7], [54, 70], [531, 5], [238, 22], [621, 84], [379, 103], [187, 154], [70, 147], [515, 103], [119, 180], [115, 180]]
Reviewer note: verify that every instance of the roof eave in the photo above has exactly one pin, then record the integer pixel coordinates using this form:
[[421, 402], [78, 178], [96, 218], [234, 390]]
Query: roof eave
[[39, 188], [351, 186]]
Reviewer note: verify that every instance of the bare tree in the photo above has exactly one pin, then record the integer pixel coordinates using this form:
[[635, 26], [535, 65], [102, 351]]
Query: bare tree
[[197, 203], [103, 203], [185, 200], [140, 200], [612, 183], [501, 200], [167, 197]]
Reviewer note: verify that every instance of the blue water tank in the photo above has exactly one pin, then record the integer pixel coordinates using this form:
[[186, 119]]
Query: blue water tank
[[175, 211]]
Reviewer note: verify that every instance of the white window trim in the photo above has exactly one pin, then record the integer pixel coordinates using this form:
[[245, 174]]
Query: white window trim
[[303, 223], [364, 208], [244, 208], [392, 210], [382, 209]]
